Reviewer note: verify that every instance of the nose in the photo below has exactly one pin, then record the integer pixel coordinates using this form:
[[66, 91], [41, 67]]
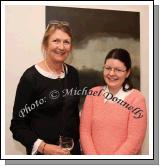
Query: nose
[[112, 72], [61, 45]]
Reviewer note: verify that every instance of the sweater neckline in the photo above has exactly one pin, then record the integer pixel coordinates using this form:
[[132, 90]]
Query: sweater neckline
[[49, 75], [121, 94]]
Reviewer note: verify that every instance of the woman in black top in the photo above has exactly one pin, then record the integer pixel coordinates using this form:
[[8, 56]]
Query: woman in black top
[[43, 109]]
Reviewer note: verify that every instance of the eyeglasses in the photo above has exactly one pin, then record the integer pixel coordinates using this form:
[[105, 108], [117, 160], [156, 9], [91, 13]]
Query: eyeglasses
[[56, 22], [116, 70]]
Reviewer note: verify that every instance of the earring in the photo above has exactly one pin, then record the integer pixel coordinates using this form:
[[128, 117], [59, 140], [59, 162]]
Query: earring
[[126, 86]]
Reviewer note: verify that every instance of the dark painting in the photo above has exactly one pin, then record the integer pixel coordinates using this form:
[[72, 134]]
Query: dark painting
[[95, 33]]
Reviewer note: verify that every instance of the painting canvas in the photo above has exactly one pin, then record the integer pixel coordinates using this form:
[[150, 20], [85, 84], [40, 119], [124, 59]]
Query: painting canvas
[[95, 33]]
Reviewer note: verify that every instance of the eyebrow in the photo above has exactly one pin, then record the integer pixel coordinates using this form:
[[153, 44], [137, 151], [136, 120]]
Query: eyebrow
[[113, 67], [57, 38]]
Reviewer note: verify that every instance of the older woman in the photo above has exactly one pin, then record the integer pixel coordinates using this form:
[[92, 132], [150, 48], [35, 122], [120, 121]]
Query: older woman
[[41, 112], [115, 121]]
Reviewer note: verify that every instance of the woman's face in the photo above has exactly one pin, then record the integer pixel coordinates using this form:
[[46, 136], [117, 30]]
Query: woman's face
[[115, 73], [59, 46]]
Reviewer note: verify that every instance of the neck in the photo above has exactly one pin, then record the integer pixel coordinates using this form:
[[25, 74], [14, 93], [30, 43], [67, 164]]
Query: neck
[[114, 91], [54, 66]]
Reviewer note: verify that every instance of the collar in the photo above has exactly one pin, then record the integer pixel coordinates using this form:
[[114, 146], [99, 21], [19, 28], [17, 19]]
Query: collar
[[51, 75], [121, 94]]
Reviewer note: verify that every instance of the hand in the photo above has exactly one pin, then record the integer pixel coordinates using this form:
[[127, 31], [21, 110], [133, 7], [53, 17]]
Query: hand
[[51, 149]]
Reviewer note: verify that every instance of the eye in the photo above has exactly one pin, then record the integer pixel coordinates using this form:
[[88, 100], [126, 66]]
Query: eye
[[118, 70], [56, 41], [67, 42], [108, 68]]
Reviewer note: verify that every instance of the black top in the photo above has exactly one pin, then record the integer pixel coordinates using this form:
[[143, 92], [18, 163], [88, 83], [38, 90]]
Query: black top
[[42, 110]]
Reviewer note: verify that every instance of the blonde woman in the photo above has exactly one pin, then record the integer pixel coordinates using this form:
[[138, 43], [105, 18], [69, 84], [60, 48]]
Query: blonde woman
[[42, 112]]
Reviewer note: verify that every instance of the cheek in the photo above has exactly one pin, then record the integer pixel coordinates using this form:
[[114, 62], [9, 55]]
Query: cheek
[[104, 75], [122, 79], [49, 47], [68, 48]]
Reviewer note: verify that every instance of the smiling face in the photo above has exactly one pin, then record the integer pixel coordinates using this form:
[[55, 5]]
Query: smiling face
[[115, 74], [58, 46]]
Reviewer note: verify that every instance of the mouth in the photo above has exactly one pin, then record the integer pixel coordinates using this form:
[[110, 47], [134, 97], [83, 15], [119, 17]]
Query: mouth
[[112, 78], [58, 52]]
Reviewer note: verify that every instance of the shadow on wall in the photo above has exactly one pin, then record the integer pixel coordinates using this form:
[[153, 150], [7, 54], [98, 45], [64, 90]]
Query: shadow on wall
[[90, 78]]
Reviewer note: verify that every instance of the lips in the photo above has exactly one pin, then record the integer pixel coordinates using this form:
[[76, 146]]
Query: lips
[[59, 52], [112, 78]]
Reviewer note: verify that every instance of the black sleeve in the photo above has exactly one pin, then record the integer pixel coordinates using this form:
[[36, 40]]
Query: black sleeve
[[77, 78], [20, 123]]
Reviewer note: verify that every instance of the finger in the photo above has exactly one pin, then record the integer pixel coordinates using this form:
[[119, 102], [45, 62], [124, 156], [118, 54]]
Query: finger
[[67, 152]]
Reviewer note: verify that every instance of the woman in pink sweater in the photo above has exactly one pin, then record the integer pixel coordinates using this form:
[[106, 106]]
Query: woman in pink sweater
[[114, 117]]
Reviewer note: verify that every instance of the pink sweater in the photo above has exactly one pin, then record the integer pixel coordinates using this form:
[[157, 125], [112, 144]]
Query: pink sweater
[[110, 128]]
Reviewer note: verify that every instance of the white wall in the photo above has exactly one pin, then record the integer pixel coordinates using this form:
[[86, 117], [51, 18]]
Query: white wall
[[24, 31], [25, 26]]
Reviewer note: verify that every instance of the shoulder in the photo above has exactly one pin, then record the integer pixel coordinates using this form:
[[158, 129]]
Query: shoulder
[[29, 73], [137, 95], [71, 69], [97, 88], [94, 93]]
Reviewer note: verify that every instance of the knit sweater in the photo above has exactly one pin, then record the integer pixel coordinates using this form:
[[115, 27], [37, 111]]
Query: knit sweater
[[113, 128], [46, 116]]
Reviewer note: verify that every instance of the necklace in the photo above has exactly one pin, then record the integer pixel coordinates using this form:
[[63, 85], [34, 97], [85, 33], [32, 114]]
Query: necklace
[[53, 72]]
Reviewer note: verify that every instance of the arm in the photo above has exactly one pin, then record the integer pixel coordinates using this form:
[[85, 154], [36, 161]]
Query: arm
[[136, 130], [85, 127], [20, 123], [36, 145]]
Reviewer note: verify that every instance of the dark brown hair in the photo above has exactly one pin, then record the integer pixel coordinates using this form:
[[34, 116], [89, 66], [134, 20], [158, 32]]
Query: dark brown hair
[[124, 56]]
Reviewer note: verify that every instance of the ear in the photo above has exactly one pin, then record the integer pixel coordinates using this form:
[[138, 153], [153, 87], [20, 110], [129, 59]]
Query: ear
[[71, 48], [128, 73], [45, 47]]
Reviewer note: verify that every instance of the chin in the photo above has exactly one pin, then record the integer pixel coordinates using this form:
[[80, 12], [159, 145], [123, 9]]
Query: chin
[[60, 60], [112, 85]]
